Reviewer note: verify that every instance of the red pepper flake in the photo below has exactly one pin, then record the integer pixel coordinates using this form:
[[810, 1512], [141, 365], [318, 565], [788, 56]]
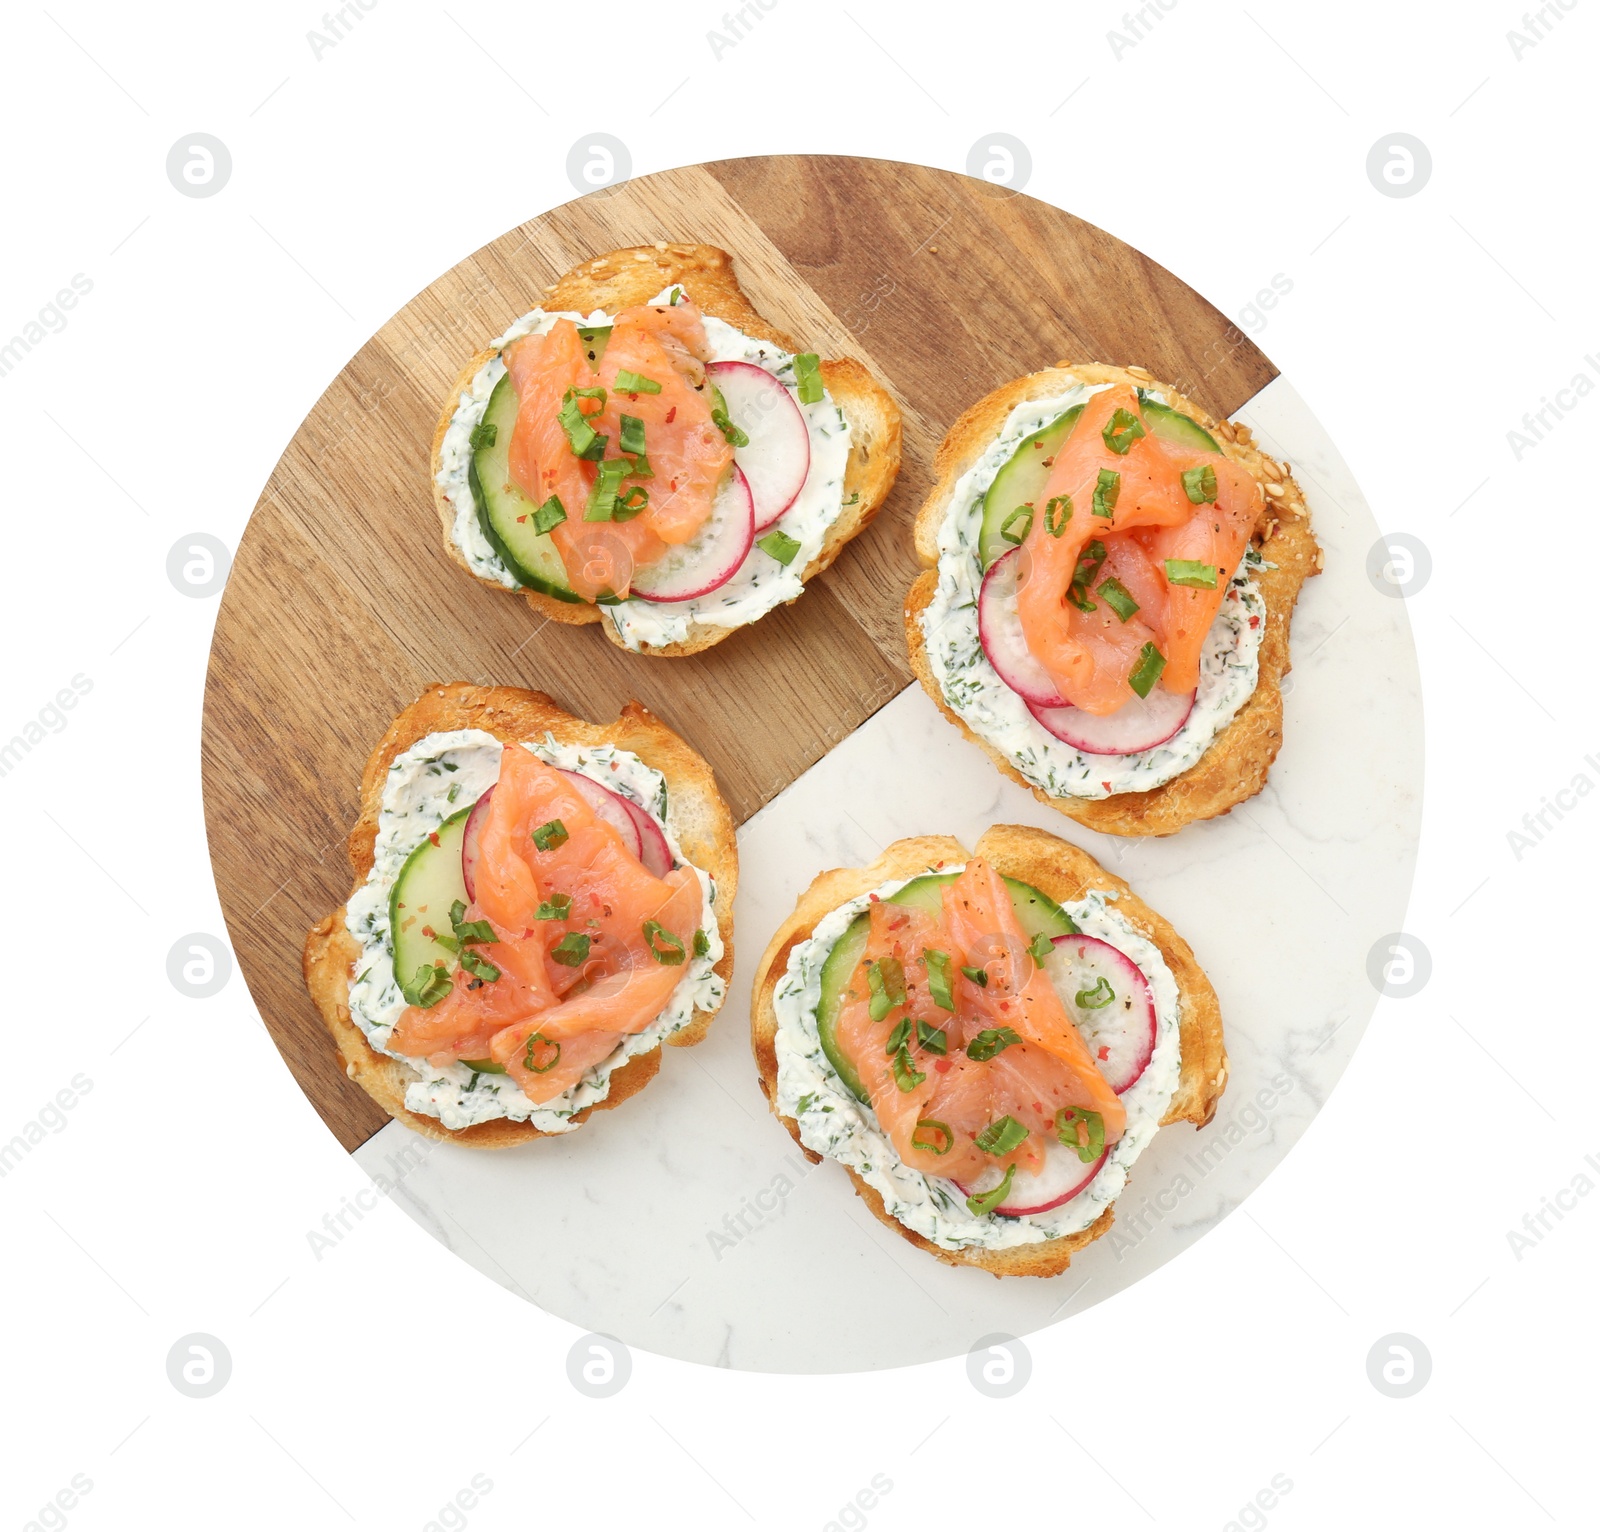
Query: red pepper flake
[[872, 898], [1106, 785], [433, 835], [522, 518], [672, 415], [1103, 1054], [1255, 622], [1038, 1108], [428, 931], [941, 1066]]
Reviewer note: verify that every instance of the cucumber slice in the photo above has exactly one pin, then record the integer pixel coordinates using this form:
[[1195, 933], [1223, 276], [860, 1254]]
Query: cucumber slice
[[836, 971], [429, 883], [1036, 912], [1022, 478], [505, 514], [1021, 481], [594, 338], [1168, 424]]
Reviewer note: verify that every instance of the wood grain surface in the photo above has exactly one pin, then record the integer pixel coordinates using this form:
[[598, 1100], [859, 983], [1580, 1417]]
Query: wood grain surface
[[341, 605]]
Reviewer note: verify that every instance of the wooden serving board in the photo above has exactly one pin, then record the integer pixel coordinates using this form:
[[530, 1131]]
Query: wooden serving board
[[342, 606]]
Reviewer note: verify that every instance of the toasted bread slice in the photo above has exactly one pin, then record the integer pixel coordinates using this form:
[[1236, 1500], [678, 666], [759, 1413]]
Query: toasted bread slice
[[623, 278], [702, 821], [1065, 873], [1235, 767]]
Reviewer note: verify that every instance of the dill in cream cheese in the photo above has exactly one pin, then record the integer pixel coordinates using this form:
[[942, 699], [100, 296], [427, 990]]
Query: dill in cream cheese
[[970, 685], [761, 582], [834, 1122], [427, 783]]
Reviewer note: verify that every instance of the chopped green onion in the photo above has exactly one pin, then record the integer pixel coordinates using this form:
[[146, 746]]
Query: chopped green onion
[[549, 1063], [1024, 514], [906, 1076], [702, 943], [639, 466], [1088, 569], [1041, 947], [977, 975], [677, 293], [989, 1201], [779, 545], [932, 1039], [1122, 431], [631, 436], [551, 514], [808, 377], [1107, 486], [432, 984], [1099, 997], [478, 966], [572, 950], [664, 946], [938, 964], [1089, 562], [1117, 596], [1057, 513], [556, 908], [730, 432], [1200, 484], [886, 978], [1193, 573], [1093, 1145], [483, 435], [989, 1042], [582, 437], [630, 502], [484, 1066], [1148, 671], [603, 497], [627, 382], [550, 834], [936, 1130], [1001, 1136], [899, 1037], [470, 930]]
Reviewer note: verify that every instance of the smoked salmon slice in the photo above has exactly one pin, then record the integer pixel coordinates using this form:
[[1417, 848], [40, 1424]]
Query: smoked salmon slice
[[666, 459], [1120, 503], [589, 944], [915, 1089]]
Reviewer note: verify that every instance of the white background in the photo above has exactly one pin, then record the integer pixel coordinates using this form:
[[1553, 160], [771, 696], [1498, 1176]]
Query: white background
[[372, 1385]]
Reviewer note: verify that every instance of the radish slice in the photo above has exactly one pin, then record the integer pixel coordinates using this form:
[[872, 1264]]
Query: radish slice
[[778, 456], [711, 557], [1121, 1033], [1141, 723], [1000, 633], [469, 842], [655, 853], [612, 807], [609, 806], [1062, 1176]]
